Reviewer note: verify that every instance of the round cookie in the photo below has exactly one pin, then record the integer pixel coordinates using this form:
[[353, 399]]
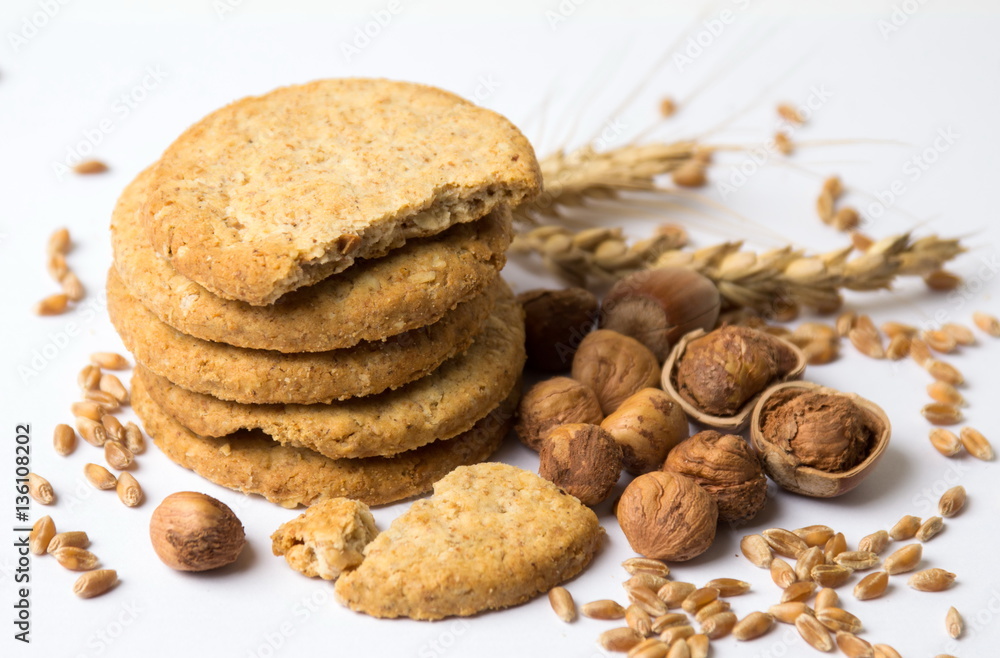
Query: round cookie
[[410, 287], [276, 192], [438, 406], [252, 463], [264, 376]]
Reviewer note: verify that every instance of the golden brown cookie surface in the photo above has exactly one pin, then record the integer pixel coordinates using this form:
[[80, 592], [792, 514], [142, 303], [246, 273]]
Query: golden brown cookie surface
[[491, 536], [437, 406], [252, 463], [411, 287], [275, 192], [265, 376]]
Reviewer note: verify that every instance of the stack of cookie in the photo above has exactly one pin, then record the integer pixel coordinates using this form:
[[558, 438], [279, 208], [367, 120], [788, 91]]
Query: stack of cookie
[[309, 283]]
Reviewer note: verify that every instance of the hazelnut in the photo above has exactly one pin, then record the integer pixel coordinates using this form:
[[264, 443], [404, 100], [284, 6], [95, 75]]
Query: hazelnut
[[555, 321], [614, 367], [818, 441], [667, 516], [583, 460], [717, 376], [555, 402], [727, 468], [657, 307], [195, 532], [646, 426]]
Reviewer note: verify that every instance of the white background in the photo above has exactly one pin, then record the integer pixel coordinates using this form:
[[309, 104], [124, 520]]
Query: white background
[[890, 93]]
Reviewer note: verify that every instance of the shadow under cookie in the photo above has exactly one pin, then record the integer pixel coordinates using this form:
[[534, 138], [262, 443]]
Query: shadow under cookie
[[252, 463]]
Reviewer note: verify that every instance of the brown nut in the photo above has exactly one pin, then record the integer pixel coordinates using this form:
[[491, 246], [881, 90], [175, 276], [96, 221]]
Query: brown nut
[[555, 321], [716, 377], [582, 460], [657, 307], [646, 426], [614, 367], [667, 516], [818, 441], [555, 402], [195, 532], [727, 468]]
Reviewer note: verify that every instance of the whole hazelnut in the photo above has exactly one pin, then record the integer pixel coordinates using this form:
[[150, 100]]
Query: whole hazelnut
[[646, 426], [727, 468], [195, 532], [555, 321], [722, 371], [583, 460], [614, 367], [667, 516], [551, 403], [657, 307]]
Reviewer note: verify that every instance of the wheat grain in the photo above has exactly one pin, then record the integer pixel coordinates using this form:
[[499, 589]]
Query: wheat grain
[[976, 444], [952, 501], [95, 583], [40, 489], [753, 626], [987, 323]]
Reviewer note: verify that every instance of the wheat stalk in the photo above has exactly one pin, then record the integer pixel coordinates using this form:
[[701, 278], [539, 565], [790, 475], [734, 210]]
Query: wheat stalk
[[571, 178], [761, 281]]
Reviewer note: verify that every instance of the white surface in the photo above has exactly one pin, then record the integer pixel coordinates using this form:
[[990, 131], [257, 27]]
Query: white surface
[[937, 72]]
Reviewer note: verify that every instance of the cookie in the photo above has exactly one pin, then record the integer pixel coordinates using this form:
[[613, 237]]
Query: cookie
[[491, 536], [279, 191], [252, 463], [327, 539], [440, 405], [410, 287], [264, 376]]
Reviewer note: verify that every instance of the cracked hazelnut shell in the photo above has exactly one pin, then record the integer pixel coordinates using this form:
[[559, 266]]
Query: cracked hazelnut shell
[[555, 321], [727, 468], [667, 516], [646, 426], [614, 366], [798, 433], [583, 460], [553, 402], [718, 376], [657, 307]]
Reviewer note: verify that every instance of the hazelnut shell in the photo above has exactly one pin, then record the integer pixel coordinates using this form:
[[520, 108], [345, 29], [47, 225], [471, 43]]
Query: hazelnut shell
[[555, 321], [647, 425], [194, 532], [667, 516], [583, 460], [657, 307], [614, 366], [553, 402], [785, 468], [739, 420], [727, 467]]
